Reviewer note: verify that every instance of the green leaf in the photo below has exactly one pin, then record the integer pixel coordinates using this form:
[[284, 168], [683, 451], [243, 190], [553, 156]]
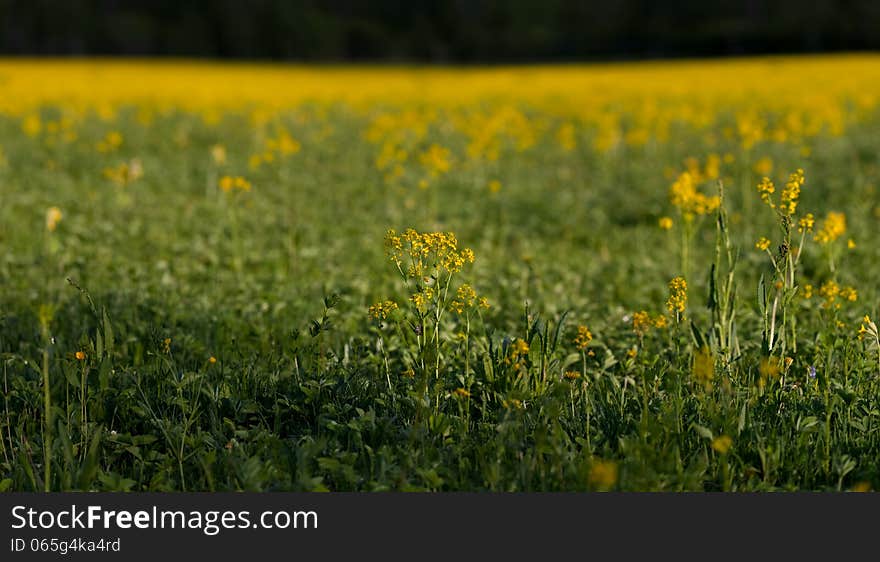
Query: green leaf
[[108, 333], [703, 431]]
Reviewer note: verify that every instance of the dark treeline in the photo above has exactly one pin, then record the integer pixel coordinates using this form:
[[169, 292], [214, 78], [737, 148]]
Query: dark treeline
[[436, 31]]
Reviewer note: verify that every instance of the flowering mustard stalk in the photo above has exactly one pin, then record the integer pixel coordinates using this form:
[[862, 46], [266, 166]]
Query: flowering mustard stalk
[[427, 263], [785, 261]]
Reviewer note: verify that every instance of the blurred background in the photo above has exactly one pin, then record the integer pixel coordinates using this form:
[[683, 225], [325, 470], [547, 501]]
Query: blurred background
[[454, 31]]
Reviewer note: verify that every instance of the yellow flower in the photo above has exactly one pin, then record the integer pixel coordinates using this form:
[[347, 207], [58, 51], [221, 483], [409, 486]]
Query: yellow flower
[[808, 291], [684, 195], [829, 291], [642, 323], [494, 186], [520, 347], [868, 328], [833, 227], [849, 294], [762, 244], [53, 217], [461, 393], [722, 444], [111, 142], [465, 298], [571, 375], [422, 299], [603, 474], [665, 223], [212, 360], [229, 184], [583, 338], [765, 189], [792, 192], [381, 310], [80, 356], [805, 224], [677, 301], [851, 244], [764, 166]]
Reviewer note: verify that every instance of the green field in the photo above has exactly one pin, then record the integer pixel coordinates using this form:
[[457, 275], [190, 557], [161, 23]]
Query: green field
[[160, 332]]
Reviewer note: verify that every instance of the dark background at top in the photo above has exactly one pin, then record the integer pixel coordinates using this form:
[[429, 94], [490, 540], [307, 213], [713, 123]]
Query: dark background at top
[[439, 31]]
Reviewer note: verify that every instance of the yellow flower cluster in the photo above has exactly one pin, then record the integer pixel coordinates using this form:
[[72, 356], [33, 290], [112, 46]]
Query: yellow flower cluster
[[583, 338], [792, 192], [381, 310], [229, 184], [436, 160], [684, 194], [762, 244], [520, 347], [677, 301], [833, 227], [422, 299], [642, 322], [766, 189], [805, 224], [426, 253], [788, 199], [831, 291], [571, 375], [466, 298]]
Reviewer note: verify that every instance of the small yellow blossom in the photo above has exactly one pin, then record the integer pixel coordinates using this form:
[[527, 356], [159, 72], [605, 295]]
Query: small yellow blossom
[[665, 223], [762, 244], [53, 217], [461, 393], [80, 356], [571, 375], [722, 444]]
